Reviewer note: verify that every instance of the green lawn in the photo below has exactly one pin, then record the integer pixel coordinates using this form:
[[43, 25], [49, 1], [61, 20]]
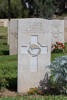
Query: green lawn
[[55, 55], [8, 72], [3, 31], [8, 64], [36, 98], [4, 48]]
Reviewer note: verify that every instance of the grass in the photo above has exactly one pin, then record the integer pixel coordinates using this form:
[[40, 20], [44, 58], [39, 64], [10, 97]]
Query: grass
[[3, 31], [8, 64], [8, 72], [55, 55], [36, 98], [4, 48]]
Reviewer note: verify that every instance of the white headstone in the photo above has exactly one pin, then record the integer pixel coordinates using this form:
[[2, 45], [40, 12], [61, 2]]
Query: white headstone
[[13, 36], [57, 28], [65, 29], [57, 31], [34, 51]]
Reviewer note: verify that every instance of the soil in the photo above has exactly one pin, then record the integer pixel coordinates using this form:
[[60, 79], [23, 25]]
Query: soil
[[6, 93]]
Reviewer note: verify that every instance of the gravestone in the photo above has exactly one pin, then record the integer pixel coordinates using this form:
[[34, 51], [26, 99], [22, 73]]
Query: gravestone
[[13, 36], [57, 31], [65, 29], [57, 28], [34, 52]]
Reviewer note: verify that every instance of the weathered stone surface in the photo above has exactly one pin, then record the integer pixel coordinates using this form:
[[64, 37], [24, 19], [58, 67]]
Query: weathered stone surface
[[65, 29], [13, 36], [57, 28], [31, 69]]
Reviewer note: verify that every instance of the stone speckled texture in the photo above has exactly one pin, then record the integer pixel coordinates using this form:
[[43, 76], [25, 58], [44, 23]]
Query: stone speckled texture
[[57, 28], [27, 28], [65, 29], [13, 36]]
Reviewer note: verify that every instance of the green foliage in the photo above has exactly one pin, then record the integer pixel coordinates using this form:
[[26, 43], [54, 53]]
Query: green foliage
[[8, 72], [16, 9], [42, 8], [60, 6], [24, 10], [65, 47], [59, 72], [3, 8], [8, 64], [45, 7], [4, 48]]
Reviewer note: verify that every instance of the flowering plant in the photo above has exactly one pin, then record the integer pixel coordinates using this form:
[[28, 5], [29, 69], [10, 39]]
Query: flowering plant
[[34, 91], [58, 47]]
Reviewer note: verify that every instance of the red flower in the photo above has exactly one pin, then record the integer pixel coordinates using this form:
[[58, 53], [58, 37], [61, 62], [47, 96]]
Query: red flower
[[56, 42]]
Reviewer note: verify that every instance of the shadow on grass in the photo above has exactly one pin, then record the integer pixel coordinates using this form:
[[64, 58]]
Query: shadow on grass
[[3, 37], [12, 84], [4, 52]]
